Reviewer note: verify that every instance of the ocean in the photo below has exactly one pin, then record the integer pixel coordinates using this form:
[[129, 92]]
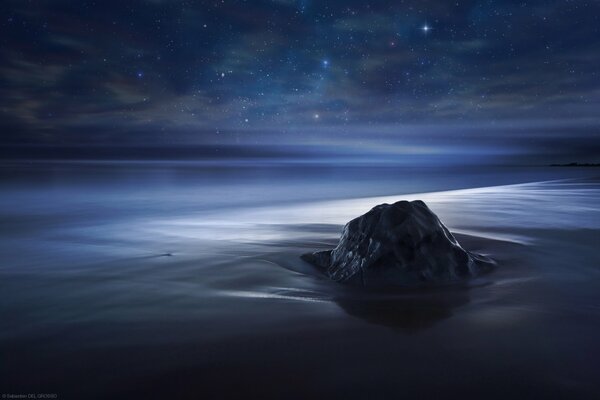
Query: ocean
[[183, 280]]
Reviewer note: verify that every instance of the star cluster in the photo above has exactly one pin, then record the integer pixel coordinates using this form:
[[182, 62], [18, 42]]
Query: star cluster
[[518, 75]]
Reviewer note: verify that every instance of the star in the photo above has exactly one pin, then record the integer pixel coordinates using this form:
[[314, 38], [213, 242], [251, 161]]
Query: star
[[325, 63], [426, 28]]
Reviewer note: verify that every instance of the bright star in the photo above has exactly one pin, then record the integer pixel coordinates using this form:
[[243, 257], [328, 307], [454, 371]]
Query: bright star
[[325, 63], [426, 28], [316, 116]]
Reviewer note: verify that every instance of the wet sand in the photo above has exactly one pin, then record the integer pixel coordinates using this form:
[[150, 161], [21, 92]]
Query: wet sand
[[89, 312]]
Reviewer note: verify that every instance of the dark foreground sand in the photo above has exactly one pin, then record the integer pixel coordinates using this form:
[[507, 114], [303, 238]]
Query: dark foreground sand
[[246, 318]]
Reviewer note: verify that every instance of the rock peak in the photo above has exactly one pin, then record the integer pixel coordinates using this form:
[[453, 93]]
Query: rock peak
[[397, 244]]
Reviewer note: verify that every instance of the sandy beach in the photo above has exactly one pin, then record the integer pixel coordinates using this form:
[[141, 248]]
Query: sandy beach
[[179, 304]]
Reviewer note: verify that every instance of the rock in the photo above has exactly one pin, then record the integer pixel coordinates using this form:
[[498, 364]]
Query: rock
[[395, 245]]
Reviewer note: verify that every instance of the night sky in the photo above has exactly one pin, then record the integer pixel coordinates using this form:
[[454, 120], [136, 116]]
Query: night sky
[[482, 78]]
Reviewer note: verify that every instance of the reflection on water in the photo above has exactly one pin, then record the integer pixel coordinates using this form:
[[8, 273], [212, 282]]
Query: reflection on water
[[405, 310], [187, 281], [406, 313]]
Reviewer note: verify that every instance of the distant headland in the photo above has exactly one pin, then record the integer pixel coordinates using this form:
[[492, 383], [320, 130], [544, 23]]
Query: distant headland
[[576, 164]]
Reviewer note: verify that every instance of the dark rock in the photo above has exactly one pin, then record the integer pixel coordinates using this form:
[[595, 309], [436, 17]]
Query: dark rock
[[398, 244]]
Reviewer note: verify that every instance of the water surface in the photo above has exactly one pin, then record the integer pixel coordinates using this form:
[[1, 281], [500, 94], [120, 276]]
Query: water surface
[[157, 280]]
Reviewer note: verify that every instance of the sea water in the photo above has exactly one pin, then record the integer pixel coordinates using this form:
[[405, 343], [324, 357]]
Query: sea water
[[166, 280]]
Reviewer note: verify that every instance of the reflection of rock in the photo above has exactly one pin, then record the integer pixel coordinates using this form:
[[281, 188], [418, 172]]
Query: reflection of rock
[[397, 244], [407, 312]]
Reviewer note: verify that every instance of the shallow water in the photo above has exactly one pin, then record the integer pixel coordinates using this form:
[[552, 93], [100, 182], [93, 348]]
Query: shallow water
[[153, 281]]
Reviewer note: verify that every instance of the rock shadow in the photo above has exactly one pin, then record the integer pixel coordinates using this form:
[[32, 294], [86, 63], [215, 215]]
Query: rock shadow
[[407, 312]]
